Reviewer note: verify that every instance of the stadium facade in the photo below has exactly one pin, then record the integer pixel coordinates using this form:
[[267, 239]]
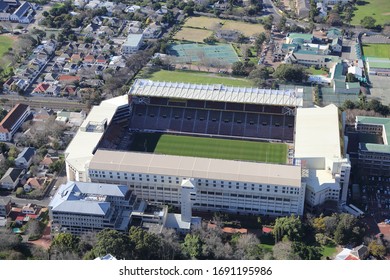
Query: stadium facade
[[233, 186]]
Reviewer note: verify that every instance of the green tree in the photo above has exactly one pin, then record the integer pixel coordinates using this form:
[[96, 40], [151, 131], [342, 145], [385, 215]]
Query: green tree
[[306, 252], [376, 249], [113, 242], [291, 227], [368, 22], [290, 73], [146, 245], [351, 78], [284, 251], [192, 246]]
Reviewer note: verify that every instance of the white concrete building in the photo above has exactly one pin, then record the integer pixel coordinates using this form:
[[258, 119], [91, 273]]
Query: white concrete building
[[221, 185], [132, 43], [80, 151], [320, 148]]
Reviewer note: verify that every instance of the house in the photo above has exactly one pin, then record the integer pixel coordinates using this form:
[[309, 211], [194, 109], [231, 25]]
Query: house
[[134, 27], [101, 60], [63, 58], [69, 90], [98, 20], [70, 68], [34, 183], [153, 31], [13, 120], [51, 77], [117, 62], [29, 209], [23, 14], [337, 45], [302, 8], [89, 59], [75, 58], [25, 158], [41, 88], [7, 84], [11, 178], [42, 115], [334, 33], [53, 90], [358, 253], [68, 79], [47, 160], [132, 43], [5, 206], [132, 9]]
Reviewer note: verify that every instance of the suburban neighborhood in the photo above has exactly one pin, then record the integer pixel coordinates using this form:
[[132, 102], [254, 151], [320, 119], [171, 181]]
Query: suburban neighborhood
[[195, 130]]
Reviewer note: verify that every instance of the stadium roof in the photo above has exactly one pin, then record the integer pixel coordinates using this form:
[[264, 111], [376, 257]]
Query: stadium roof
[[378, 148], [218, 92], [85, 198], [81, 149], [192, 167], [317, 135]]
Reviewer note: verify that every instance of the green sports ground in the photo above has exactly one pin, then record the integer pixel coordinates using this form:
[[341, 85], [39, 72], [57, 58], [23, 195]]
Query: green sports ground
[[212, 148]]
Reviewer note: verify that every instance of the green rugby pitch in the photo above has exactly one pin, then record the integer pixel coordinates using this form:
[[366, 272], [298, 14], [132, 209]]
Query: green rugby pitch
[[221, 148]]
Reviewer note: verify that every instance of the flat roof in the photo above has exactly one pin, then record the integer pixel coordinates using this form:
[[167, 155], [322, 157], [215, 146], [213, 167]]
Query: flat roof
[[218, 92], [193, 167], [81, 148], [371, 147], [320, 180], [317, 133], [133, 40]]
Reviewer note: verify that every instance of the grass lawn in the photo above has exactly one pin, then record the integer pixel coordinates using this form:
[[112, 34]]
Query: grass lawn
[[314, 71], [198, 78], [192, 34], [376, 50], [221, 148], [248, 29], [6, 42], [378, 9], [328, 251]]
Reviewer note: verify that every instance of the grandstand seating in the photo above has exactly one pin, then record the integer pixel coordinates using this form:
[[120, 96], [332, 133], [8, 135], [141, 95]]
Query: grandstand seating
[[216, 118]]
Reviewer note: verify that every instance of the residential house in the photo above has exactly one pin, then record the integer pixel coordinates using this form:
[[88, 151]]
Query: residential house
[[51, 77], [5, 16], [98, 20], [134, 27], [23, 14], [69, 90], [29, 209], [92, 5], [54, 89], [68, 79], [34, 183], [5, 206], [11, 178], [337, 45], [302, 8], [358, 253], [41, 88], [47, 161], [132, 44], [132, 9], [63, 58], [25, 158], [70, 68], [101, 60], [89, 59], [76, 57], [117, 62], [105, 31], [334, 2], [153, 31], [43, 115], [7, 84], [13, 120]]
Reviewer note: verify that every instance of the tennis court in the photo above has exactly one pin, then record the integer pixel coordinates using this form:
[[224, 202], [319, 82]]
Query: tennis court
[[190, 53]]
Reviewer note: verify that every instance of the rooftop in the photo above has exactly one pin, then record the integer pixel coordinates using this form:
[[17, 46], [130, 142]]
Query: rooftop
[[371, 147], [84, 143], [317, 133], [217, 92], [12, 117], [193, 167], [85, 198], [133, 40], [306, 37]]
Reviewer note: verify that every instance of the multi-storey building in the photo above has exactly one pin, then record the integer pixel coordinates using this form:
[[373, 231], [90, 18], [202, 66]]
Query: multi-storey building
[[13, 120], [374, 156], [320, 148], [221, 185]]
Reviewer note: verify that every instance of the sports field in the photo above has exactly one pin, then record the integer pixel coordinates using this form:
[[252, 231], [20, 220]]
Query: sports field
[[197, 77], [248, 29], [192, 34], [6, 42], [190, 53], [376, 50], [378, 9], [221, 148]]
